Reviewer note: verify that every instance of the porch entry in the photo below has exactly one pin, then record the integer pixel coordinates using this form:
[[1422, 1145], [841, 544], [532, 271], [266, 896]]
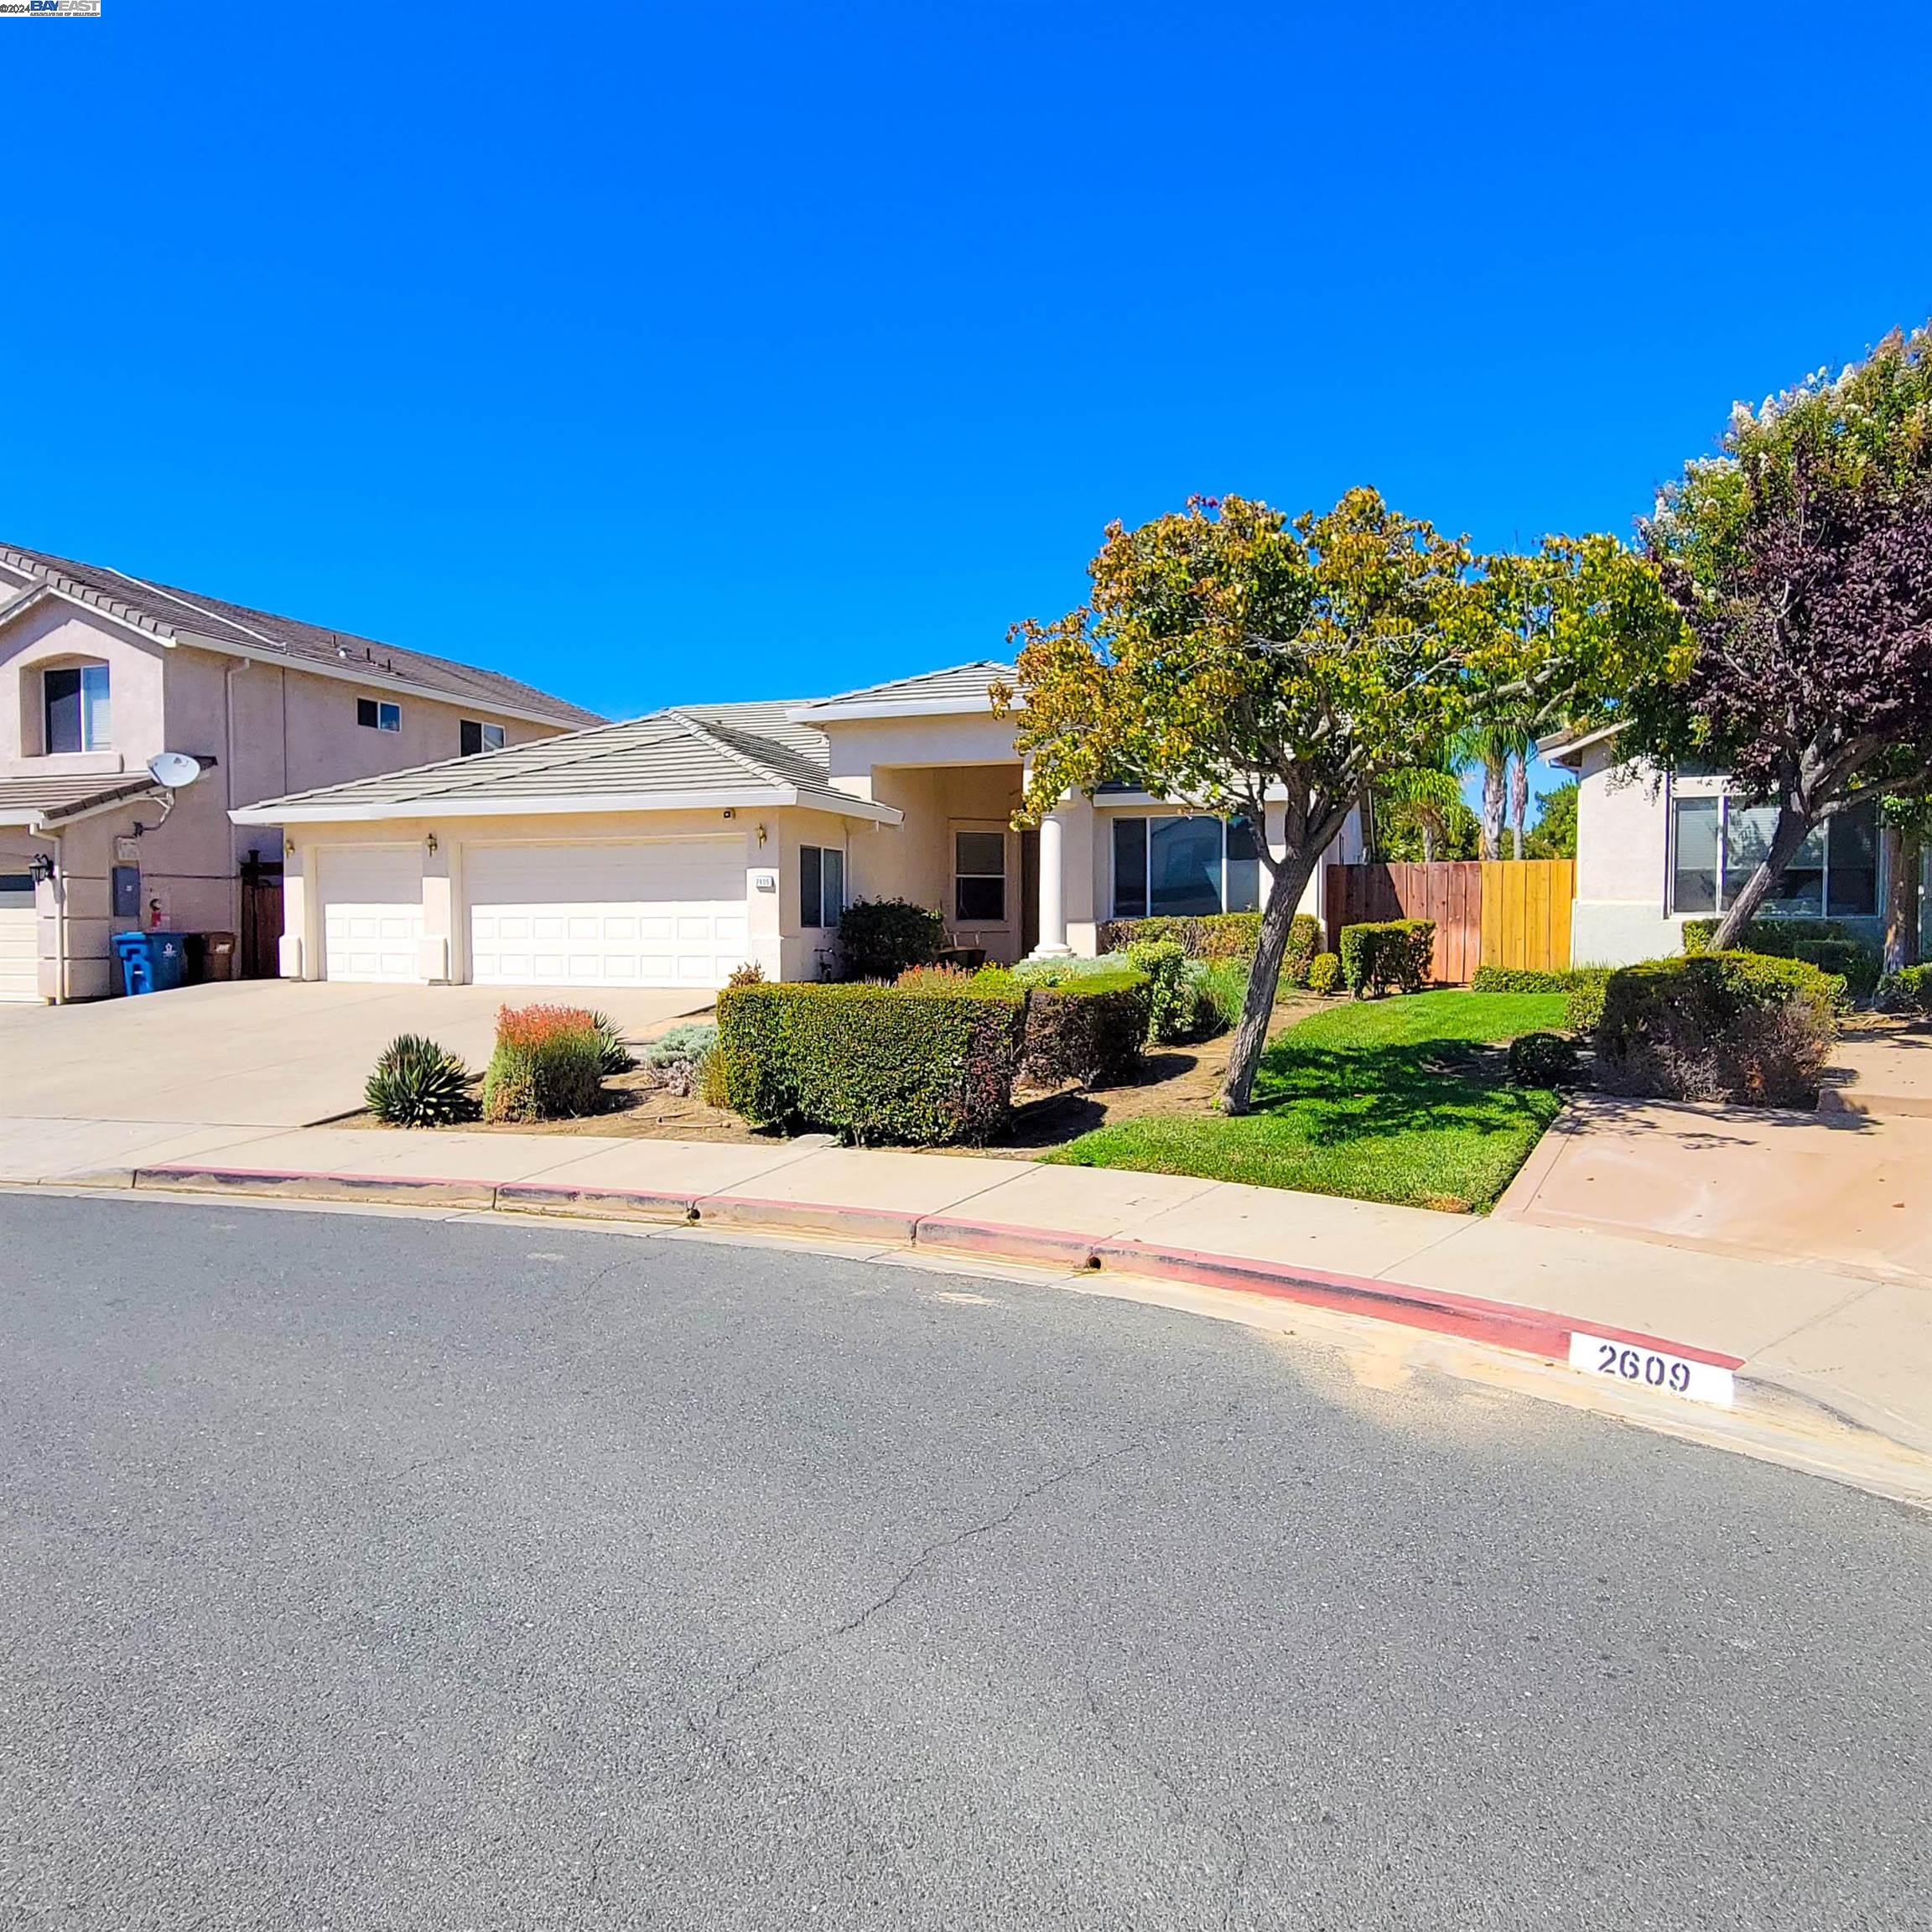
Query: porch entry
[[1487, 912]]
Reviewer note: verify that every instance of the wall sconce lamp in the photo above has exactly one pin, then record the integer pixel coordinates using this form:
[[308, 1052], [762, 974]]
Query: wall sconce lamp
[[40, 868], [761, 834], [430, 844]]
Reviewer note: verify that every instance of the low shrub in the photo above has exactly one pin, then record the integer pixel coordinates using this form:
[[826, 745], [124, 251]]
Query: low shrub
[[1828, 944], [1584, 1008], [943, 978], [1737, 1027], [1173, 995], [617, 1056], [751, 973], [1089, 1030], [879, 938], [676, 1058], [1203, 936], [872, 1063], [1061, 972], [1908, 990], [1537, 978], [1398, 953], [1542, 1060], [418, 1083], [1324, 974], [547, 1065]]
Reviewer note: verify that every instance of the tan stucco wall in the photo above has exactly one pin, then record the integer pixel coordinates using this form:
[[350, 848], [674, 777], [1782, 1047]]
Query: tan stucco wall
[[290, 730]]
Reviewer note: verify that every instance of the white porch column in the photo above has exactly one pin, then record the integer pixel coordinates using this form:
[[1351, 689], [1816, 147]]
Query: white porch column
[[1053, 889]]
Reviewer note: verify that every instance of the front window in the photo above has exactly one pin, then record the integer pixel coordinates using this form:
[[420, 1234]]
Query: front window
[[475, 737], [980, 878], [1719, 843], [78, 717], [378, 715], [1182, 867], [821, 886]]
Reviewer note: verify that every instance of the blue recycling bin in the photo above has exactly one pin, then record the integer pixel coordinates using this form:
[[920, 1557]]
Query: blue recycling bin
[[150, 962]]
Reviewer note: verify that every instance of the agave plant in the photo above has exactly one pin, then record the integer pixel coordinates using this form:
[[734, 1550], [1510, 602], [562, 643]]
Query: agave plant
[[618, 1058], [418, 1083]]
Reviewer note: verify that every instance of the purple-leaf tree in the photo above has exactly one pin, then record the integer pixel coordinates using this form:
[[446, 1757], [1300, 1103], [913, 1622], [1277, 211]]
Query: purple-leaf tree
[[1801, 558]]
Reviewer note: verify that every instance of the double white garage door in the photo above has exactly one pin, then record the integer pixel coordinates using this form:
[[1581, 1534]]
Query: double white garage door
[[651, 913]]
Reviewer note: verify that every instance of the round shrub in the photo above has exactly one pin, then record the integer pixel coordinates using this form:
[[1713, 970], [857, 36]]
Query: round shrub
[[1324, 974], [676, 1058], [1173, 995], [879, 938], [548, 1064], [1542, 1060], [418, 1083], [1735, 1027]]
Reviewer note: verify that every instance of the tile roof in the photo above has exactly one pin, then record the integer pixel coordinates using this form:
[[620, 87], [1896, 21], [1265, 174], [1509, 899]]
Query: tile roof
[[50, 800], [715, 753], [963, 687], [172, 613]]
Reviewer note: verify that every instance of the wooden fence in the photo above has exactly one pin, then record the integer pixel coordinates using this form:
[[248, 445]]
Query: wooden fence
[[1487, 912]]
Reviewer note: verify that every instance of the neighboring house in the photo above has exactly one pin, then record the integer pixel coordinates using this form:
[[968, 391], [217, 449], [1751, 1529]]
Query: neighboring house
[[668, 850], [1654, 849], [99, 671]]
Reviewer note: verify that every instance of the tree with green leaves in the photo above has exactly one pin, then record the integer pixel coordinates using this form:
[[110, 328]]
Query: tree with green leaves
[[1554, 834], [1419, 814], [1801, 558], [1238, 659]]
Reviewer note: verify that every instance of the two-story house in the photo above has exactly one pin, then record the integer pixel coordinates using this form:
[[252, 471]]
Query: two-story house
[[101, 671]]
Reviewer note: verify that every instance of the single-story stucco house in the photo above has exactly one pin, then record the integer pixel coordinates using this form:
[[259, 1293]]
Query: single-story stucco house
[[1654, 849], [667, 850]]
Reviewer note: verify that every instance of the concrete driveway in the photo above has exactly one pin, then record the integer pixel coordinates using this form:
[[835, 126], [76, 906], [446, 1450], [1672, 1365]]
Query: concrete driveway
[[258, 1052]]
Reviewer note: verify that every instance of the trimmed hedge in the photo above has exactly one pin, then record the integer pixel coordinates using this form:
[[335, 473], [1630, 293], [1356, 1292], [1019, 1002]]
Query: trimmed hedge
[[872, 1064], [1542, 1060], [1584, 1008], [1537, 979], [1908, 990], [1088, 1031], [1205, 936], [1735, 1026], [1174, 997], [1324, 974], [879, 938], [1826, 943], [1387, 952], [548, 1064]]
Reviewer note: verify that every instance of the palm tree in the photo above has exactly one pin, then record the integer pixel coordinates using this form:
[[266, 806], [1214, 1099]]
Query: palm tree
[[1498, 744], [1427, 796]]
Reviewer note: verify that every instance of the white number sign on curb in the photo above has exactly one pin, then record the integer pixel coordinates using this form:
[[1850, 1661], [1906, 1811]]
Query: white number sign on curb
[[1612, 1361]]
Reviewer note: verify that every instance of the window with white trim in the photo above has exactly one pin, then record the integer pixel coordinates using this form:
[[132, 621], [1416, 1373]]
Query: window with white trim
[[78, 712], [1717, 842], [1183, 865], [378, 714], [821, 886], [980, 878], [473, 737]]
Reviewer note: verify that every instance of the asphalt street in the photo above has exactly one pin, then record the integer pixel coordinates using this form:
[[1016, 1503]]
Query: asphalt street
[[359, 1572]]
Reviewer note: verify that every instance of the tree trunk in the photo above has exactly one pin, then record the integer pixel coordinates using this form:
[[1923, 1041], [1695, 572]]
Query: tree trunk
[[1428, 826], [1793, 823], [1902, 852], [1519, 797], [1257, 1008], [1494, 782]]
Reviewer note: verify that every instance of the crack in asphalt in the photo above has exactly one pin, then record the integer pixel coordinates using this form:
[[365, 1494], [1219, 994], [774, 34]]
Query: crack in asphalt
[[932, 1551]]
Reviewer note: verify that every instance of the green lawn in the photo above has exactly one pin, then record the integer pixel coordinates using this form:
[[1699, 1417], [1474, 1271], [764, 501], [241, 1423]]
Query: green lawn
[[1381, 1100]]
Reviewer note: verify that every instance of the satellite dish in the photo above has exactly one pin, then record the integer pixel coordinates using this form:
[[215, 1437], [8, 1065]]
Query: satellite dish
[[173, 769]]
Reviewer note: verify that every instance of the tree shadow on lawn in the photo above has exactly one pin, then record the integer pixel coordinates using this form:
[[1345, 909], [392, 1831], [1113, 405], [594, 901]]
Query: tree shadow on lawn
[[1335, 1097]]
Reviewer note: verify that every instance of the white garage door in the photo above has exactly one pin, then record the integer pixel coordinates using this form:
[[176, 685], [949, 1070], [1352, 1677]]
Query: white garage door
[[667, 912], [372, 912], [19, 938]]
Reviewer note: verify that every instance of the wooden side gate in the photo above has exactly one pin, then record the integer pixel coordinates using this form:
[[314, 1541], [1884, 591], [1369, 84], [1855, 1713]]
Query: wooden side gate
[[260, 935], [1487, 912]]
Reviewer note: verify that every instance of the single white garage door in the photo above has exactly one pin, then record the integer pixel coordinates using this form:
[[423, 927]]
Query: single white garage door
[[372, 912], [657, 912], [19, 936]]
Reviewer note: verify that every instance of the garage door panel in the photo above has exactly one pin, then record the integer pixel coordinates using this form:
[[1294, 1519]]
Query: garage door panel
[[371, 913], [19, 939], [668, 913]]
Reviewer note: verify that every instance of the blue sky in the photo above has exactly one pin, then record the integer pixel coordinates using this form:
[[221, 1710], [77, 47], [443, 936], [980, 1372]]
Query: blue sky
[[657, 354]]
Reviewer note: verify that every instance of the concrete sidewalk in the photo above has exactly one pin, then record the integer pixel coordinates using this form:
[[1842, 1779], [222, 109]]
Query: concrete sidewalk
[[1860, 1347]]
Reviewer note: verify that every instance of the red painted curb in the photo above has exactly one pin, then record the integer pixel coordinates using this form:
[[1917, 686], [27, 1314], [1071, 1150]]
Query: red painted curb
[[745, 1210], [631, 1203], [997, 1238]]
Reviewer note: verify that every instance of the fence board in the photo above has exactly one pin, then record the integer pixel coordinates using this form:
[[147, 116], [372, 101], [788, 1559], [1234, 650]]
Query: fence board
[[1487, 912]]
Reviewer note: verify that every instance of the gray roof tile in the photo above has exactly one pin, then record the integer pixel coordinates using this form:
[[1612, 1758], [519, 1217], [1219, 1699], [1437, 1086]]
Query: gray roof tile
[[960, 683], [187, 614]]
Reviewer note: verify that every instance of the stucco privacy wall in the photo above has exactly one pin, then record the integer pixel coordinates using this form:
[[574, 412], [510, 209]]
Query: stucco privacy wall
[[269, 729]]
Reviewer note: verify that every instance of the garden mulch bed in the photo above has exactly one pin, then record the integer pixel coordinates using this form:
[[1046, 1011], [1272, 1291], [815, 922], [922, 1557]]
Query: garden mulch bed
[[1175, 1080]]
